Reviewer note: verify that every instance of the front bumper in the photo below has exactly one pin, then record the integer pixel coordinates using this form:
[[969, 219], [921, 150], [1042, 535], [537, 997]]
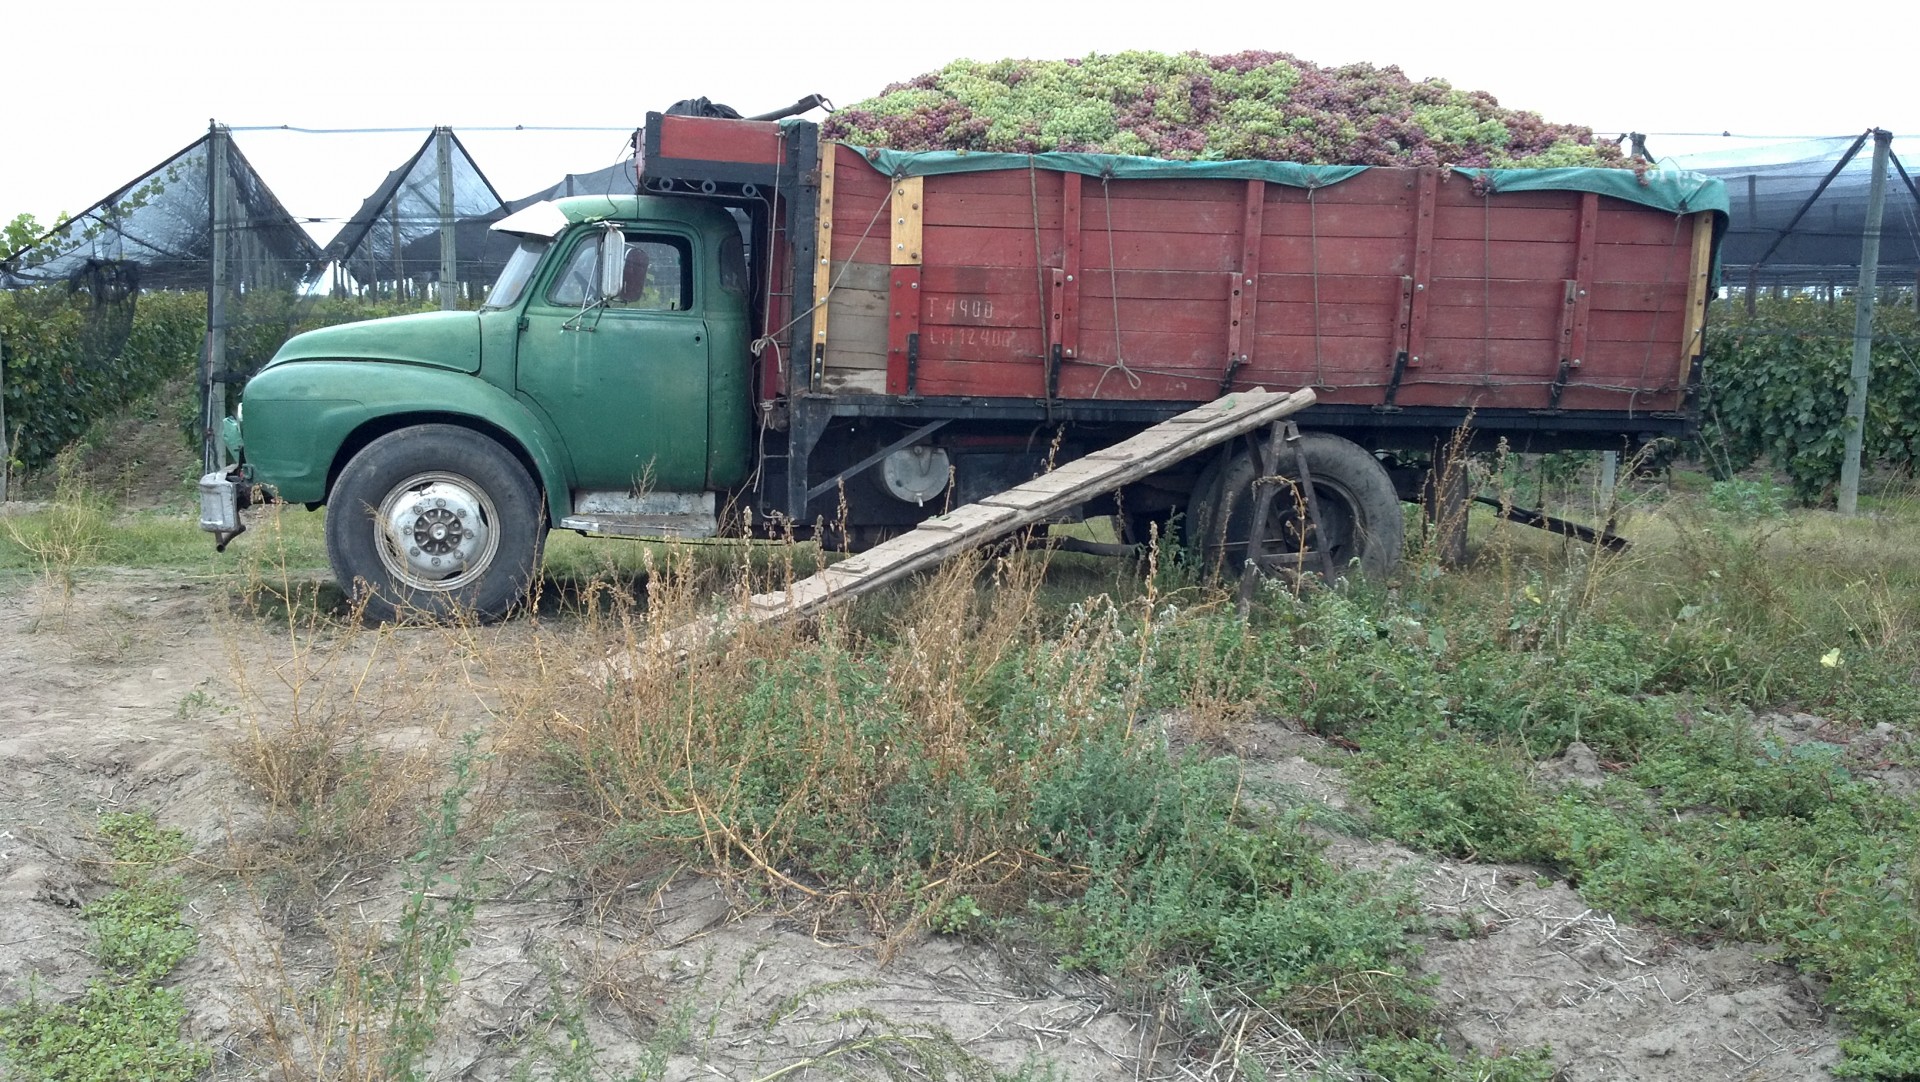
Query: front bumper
[[223, 494]]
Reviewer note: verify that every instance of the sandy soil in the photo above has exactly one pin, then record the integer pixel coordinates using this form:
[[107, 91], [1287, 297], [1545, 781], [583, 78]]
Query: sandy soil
[[129, 695]]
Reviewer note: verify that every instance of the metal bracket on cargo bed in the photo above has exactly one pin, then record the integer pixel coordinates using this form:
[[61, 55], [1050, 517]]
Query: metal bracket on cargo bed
[[1393, 384]]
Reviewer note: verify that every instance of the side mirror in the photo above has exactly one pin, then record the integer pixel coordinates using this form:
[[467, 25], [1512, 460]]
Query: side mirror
[[613, 261]]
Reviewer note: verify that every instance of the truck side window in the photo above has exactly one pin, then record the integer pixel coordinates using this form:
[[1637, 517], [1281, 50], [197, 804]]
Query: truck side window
[[574, 287], [659, 275]]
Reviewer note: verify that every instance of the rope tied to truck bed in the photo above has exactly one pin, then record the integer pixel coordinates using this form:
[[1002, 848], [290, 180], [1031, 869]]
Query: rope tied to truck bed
[[1113, 289], [759, 345]]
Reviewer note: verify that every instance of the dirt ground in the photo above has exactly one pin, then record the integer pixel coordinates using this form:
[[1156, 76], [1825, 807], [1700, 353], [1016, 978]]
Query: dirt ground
[[132, 694]]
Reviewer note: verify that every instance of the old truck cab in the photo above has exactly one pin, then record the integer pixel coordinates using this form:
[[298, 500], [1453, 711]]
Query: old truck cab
[[604, 386]]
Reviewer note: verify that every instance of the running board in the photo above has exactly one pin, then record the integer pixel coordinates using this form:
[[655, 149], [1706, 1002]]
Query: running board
[[682, 516], [994, 517]]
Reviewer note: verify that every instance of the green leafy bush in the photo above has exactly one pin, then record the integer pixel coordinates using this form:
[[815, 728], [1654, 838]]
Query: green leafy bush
[[125, 1025], [1776, 390], [58, 382]]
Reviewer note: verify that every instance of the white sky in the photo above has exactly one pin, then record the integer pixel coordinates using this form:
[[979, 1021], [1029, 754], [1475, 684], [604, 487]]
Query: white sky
[[94, 97]]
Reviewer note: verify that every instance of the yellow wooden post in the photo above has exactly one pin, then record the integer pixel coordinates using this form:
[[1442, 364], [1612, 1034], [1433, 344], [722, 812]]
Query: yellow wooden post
[[823, 267], [907, 198], [1699, 278]]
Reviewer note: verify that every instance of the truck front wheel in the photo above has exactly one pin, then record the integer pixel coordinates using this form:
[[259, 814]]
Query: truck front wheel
[[437, 521], [1362, 523]]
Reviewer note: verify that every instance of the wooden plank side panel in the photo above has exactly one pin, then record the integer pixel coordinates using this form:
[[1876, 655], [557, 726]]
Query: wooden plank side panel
[[1326, 301], [862, 200], [1497, 221], [1530, 260], [1642, 263]]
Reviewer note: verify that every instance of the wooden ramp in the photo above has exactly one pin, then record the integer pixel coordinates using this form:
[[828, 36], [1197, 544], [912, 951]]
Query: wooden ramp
[[977, 524]]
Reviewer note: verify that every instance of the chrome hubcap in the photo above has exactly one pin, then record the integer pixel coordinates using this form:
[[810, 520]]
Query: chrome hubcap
[[436, 531]]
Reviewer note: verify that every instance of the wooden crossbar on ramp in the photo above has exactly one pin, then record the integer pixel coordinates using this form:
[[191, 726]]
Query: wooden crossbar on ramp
[[996, 516]]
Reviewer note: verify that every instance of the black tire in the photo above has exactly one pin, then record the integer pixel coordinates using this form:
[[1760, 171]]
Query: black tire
[[1361, 515], [431, 484]]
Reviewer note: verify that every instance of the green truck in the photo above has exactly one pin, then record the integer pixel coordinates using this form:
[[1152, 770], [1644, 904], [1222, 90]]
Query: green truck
[[774, 336]]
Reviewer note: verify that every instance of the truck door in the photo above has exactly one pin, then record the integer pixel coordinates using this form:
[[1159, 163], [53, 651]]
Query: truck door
[[625, 382]]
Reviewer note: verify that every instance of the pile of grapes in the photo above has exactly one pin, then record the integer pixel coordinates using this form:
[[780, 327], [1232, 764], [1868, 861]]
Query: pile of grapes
[[1194, 107]]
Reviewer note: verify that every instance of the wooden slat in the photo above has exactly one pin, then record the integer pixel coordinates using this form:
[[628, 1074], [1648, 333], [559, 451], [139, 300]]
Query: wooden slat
[[977, 524], [1697, 293], [823, 267], [1423, 266], [903, 325], [908, 195], [1243, 287], [1070, 265]]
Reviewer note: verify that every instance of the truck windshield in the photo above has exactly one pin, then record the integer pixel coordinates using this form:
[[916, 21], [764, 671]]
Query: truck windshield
[[519, 269]]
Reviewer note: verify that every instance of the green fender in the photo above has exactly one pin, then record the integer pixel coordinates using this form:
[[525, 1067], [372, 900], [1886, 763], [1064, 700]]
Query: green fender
[[301, 418]]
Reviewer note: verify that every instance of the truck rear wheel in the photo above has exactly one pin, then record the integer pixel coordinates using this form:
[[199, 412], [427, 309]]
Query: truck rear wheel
[[437, 521], [1362, 523]]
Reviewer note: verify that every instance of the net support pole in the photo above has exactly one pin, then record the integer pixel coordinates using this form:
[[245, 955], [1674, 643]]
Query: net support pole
[[214, 449], [1753, 214], [1849, 498], [6, 448], [443, 154]]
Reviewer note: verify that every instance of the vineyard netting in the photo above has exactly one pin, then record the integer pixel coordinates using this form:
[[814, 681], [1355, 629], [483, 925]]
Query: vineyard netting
[[1799, 210], [115, 302]]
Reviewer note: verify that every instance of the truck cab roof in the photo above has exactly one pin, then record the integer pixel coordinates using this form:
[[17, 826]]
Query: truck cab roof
[[549, 217]]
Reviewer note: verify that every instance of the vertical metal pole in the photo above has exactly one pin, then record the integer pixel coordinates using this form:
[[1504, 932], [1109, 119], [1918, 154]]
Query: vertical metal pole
[[6, 449], [449, 276], [1609, 477], [215, 451], [1863, 326], [393, 229], [1753, 215]]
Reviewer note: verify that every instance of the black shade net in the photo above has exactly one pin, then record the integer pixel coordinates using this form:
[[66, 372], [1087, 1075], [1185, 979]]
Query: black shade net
[[395, 237], [1785, 230], [158, 234]]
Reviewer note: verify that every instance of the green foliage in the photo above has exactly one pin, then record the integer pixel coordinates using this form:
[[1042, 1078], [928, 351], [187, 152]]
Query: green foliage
[[412, 982], [1180, 877], [60, 379], [1419, 1060], [1190, 106], [1776, 390], [1704, 827], [979, 762], [1747, 501], [65, 371], [124, 1026], [1459, 797], [23, 230]]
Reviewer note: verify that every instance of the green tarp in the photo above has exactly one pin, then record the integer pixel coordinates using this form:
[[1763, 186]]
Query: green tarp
[[903, 163], [1676, 191]]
